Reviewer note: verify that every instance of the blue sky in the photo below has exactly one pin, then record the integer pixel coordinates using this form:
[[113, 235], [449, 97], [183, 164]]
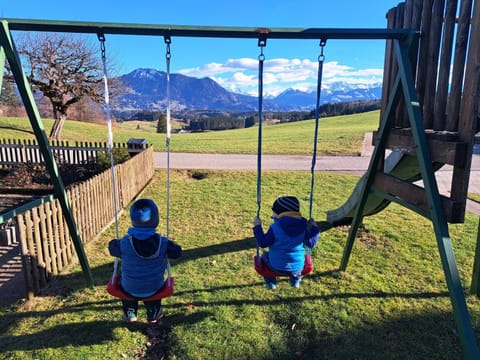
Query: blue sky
[[232, 62]]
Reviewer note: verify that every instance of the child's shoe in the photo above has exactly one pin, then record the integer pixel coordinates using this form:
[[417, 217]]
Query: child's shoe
[[295, 282], [271, 286], [160, 315], [130, 316]]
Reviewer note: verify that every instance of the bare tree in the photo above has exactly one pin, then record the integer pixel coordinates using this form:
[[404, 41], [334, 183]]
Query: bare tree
[[64, 68]]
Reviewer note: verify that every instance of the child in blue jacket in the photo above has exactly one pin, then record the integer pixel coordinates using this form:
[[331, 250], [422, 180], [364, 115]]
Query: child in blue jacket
[[143, 252], [286, 239]]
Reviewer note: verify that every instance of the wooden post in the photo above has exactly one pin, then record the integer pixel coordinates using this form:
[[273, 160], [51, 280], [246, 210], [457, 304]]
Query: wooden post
[[27, 266], [44, 236], [38, 247], [31, 251], [51, 237]]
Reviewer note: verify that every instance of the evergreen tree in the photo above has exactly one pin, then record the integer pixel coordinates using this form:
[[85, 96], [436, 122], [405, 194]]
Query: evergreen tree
[[9, 95], [162, 124], [250, 121]]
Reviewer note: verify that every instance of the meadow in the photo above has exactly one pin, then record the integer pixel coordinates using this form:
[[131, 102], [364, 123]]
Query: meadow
[[337, 135], [391, 303]]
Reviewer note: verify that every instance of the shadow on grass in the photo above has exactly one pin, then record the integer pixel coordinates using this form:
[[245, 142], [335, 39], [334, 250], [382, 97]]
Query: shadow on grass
[[409, 337], [75, 283], [65, 285], [418, 337], [217, 249], [60, 336], [281, 299], [68, 284], [77, 334], [430, 335]]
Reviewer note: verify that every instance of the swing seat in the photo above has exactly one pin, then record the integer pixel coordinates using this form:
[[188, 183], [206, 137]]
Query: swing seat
[[262, 269], [115, 289]]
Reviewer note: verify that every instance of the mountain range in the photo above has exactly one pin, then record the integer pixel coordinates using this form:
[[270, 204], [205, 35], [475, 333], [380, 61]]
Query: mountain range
[[145, 89]]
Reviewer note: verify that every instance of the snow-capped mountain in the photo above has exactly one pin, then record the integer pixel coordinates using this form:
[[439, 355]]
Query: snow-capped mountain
[[145, 89]]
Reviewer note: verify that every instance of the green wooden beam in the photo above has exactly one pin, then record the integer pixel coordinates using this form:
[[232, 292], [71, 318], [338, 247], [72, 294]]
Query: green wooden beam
[[205, 31], [11, 54]]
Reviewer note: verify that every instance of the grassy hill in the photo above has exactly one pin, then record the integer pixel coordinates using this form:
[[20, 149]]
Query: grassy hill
[[337, 135]]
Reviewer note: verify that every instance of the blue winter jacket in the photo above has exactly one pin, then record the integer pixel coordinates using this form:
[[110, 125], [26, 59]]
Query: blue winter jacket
[[286, 239], [143, 262]]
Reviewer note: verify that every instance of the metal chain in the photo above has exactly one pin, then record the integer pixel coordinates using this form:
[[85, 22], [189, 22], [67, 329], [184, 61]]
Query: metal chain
[[321, 59], [261, 58], [168, 57]]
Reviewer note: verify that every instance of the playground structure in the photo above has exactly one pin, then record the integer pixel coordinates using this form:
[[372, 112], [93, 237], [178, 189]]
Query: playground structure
[[429, 117], [432, 124]]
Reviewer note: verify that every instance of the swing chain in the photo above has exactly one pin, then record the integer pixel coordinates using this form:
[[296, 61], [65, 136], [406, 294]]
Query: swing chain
[[321, 57], [101, 38], [262, 42], [168, 56], [261, 57], [168, 41]]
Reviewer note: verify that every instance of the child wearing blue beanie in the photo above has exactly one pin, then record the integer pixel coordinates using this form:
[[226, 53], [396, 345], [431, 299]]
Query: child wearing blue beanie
[[143, 252], [286, 239]]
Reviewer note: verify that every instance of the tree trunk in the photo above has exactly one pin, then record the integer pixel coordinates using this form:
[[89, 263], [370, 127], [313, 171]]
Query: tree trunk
[[57, 126]]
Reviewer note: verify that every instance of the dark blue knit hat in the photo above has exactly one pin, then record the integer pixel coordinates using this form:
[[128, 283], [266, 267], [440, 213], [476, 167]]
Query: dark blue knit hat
[[286, 203], [144, 214]]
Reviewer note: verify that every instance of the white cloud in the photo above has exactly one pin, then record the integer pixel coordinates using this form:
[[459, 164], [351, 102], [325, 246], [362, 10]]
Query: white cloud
[[242, 63], [241, 75], [212, 69]]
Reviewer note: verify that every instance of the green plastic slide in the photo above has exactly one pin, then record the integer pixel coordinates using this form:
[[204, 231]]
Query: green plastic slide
[[398, 164]]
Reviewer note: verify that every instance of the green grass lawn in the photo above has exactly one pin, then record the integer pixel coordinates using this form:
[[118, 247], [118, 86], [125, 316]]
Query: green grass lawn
[[392, 303], [337, 135]]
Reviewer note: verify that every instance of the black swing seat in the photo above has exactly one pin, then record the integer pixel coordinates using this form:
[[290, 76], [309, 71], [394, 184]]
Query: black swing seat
[[115, 289], [262, 269]]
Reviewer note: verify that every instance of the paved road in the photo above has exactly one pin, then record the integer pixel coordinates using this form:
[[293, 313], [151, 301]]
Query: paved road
[[269, 162], [341, 164]]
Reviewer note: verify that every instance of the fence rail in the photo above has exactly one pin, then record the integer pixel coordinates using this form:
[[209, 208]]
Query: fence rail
[[46, 246], [13, 151]]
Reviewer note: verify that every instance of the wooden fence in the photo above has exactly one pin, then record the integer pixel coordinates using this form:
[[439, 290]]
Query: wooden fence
[[46, 246], [13, 151]]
